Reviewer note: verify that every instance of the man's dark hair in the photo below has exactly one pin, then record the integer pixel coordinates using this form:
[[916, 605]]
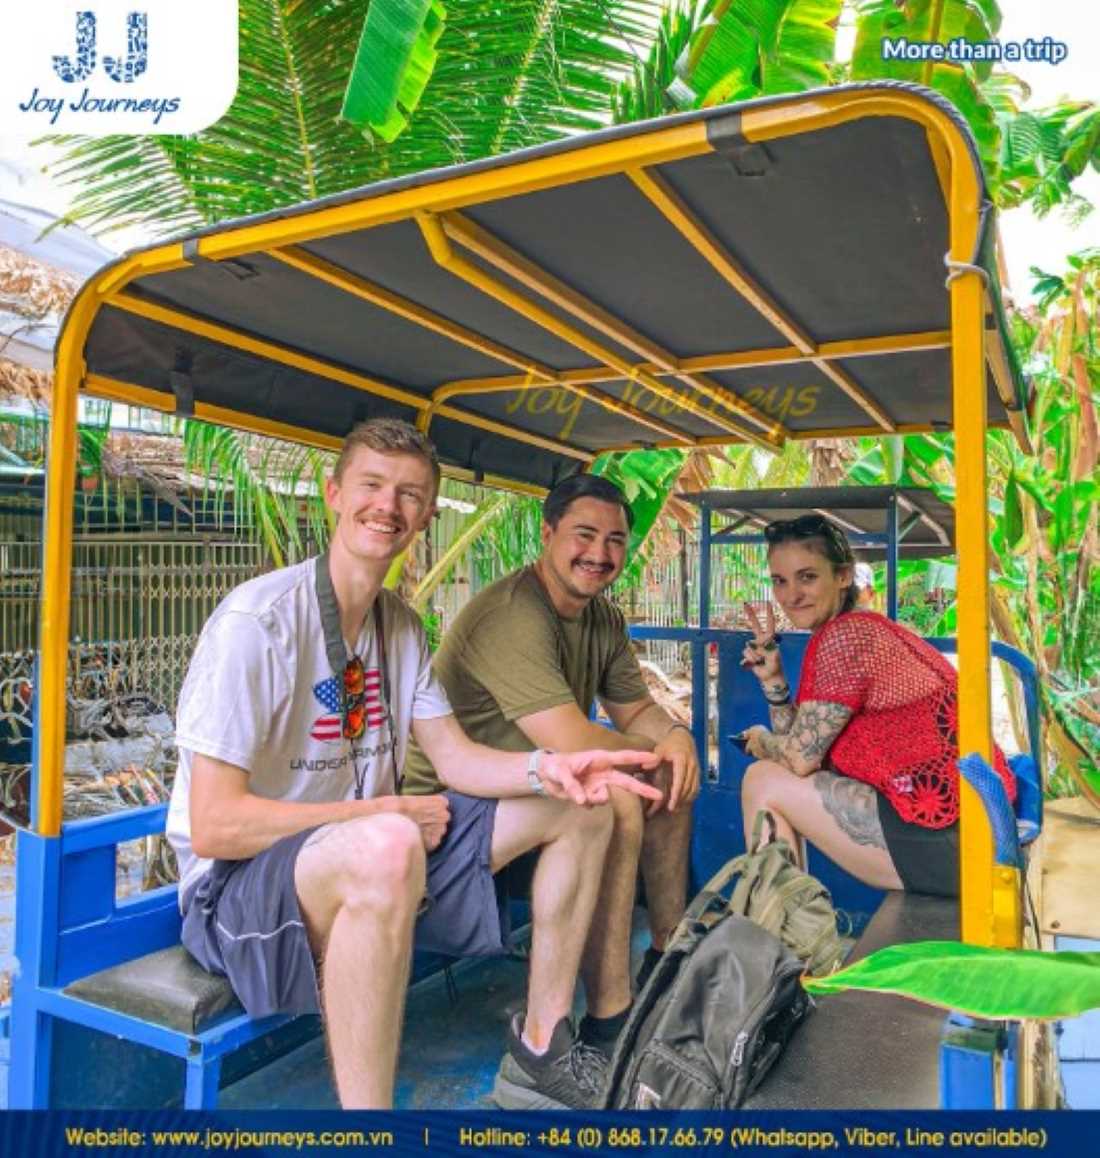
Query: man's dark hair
[[583, 486]]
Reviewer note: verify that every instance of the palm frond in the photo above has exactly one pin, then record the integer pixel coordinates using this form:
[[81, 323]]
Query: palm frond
[[506, 76], [645, 93]]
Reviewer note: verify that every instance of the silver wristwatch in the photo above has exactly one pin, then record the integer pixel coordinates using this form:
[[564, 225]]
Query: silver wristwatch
[[533, 779]]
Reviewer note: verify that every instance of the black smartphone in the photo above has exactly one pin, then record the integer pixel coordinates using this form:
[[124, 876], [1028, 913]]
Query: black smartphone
[[740, 741]]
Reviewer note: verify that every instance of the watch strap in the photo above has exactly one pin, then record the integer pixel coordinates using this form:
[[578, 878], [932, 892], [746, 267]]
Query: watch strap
[[534, 762]]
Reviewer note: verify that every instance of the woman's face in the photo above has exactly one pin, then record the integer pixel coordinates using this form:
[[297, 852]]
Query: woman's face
[[807, 586]]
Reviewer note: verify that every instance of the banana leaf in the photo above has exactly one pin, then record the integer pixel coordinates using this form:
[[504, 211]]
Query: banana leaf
[[915, 21], [393, 64], [747, 47], [976, 980], [1013, 514], [646, 478]]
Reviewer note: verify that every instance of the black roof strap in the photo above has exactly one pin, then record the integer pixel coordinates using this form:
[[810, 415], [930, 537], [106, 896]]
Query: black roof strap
[[241, 270], [748, 158], [184, 390]]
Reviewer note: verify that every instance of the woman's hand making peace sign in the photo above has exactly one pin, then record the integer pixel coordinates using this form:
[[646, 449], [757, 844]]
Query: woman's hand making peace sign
[[761, 654]]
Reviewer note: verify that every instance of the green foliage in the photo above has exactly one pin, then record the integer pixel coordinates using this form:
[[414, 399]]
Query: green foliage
[[934, 20], [646, 477], [510, 540], [645, 93], [433, 629], [393, 64], [505, 76], [276, 487], [743, 50], [1044, 152], [977, 980]]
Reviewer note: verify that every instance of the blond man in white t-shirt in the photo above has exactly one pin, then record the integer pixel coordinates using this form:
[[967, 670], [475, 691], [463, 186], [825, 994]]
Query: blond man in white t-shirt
[[306, 877]]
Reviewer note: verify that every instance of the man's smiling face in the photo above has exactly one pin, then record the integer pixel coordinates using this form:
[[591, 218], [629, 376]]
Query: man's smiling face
[[382, 500], [586, 551]]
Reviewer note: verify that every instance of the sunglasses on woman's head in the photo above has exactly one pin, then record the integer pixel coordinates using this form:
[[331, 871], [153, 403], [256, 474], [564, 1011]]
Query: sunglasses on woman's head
[[804, 527]]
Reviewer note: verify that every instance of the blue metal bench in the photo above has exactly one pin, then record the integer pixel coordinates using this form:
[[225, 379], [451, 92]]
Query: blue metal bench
[[116, 966], [71, 929]]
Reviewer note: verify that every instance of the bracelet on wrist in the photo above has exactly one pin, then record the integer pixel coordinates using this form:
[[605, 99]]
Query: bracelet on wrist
[[534, 763], [778, 695], [682, 727]]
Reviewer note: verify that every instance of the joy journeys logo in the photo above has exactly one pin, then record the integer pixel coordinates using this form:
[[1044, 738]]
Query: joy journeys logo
[[99, 67]]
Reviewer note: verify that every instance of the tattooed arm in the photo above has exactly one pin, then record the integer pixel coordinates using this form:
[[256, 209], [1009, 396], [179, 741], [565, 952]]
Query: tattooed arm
[[812, 729], [782, 717]]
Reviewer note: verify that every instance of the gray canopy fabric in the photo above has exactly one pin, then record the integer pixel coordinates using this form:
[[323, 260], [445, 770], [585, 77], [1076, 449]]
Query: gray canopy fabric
[[678, 282]]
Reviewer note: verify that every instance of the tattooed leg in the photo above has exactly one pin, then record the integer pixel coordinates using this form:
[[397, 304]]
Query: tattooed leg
[[837, 815], [853, 805]]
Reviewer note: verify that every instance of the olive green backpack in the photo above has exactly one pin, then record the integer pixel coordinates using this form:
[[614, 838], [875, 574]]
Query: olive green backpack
[[773, 892]]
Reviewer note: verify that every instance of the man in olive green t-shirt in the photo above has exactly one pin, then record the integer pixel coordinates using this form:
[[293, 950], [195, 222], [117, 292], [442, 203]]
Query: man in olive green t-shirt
[[523, 664]]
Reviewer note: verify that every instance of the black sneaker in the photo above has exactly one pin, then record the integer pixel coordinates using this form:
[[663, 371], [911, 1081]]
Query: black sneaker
[[568, 1076]]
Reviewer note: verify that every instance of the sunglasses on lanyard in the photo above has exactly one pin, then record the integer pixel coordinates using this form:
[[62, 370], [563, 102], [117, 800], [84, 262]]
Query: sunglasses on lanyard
[[355, 710]]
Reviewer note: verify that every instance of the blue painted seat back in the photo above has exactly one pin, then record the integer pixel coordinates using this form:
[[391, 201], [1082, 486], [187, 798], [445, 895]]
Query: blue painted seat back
[[69, 921], [1029, 797]]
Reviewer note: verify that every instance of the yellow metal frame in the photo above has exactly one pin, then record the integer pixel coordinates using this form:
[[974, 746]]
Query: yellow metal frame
[[990, 898], [672, 208], [502, 257], [435, 235]]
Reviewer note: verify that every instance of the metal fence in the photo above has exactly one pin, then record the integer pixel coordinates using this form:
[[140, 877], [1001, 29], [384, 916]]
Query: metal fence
[[144, 581], [668, 595]]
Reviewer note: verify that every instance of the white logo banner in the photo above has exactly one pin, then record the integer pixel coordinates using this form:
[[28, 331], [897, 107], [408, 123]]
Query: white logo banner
[[98, 67]]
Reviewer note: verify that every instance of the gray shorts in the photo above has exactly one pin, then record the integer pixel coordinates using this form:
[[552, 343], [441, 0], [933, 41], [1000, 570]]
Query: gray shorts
[[242, 919]]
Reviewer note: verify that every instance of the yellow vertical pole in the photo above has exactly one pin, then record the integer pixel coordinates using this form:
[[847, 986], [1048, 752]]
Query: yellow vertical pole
[[57, 572], [990, 911]]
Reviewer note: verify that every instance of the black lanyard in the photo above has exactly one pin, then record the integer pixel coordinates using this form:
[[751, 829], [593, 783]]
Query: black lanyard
[[336, 651]]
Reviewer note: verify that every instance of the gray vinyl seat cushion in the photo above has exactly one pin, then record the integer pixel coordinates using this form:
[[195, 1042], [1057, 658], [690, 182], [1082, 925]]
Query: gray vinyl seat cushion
[[166, 988], [868, 1051]]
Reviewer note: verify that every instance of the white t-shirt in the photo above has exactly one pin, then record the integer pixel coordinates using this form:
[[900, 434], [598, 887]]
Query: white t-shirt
[[260, 694]]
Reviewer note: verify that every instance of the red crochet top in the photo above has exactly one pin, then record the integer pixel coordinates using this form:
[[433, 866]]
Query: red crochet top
[[902, 737]]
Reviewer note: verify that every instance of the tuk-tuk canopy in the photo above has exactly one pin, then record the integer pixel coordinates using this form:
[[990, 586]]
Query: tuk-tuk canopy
[[924, 525], [752, 272]]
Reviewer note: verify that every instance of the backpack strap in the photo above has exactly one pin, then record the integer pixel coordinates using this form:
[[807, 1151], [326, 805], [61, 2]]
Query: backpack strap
[[763, 817], [709, 904]]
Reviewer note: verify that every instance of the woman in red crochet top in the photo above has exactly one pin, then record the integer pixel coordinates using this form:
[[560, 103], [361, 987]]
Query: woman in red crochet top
[[863, 762]]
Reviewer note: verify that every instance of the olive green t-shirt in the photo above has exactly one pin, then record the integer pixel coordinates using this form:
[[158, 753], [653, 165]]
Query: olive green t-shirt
[[509, 654]]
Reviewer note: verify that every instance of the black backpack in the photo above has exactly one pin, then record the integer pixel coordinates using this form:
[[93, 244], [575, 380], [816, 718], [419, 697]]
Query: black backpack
[[713, 1017]]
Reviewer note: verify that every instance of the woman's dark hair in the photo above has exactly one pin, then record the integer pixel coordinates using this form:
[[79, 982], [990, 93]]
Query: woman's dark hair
[[583, 486], [824, 538]]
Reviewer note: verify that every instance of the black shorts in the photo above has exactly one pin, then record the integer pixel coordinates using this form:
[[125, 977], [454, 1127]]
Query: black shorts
[[242, 919], [926, 859]]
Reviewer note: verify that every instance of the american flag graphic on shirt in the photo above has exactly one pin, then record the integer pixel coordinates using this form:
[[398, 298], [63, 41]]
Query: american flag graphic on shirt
[[327, 728]]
